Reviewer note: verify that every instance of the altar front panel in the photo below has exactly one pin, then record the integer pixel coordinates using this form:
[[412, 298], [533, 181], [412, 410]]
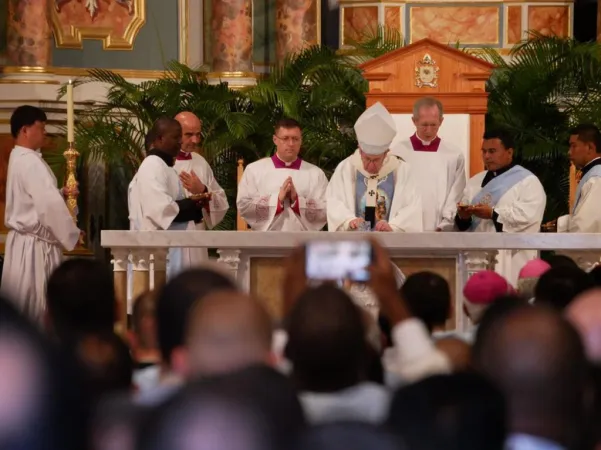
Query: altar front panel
[[266, 274]]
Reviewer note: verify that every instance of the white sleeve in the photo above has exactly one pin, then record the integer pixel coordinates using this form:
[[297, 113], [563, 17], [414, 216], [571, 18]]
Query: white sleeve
[[587, 217], [406, 211], [340, 211], [527, 209], [218, 205], [257, 208], [313, 208], [49, 204], [413, 355], [454, 195], [156, 203]]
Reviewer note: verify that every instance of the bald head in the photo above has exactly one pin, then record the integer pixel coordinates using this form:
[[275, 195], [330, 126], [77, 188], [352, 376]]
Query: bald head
[[227, 330], [537, 359], [585, 314], [191, 131]]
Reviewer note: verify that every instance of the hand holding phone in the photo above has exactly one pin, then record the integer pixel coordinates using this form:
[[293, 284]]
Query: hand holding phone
[[338, 260]]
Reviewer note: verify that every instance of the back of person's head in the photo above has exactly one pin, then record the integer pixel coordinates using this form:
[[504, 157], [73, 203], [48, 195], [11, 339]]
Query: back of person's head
[[557, 260], [227, 330], [175, 301], [25, 116], [537, 359], [560, 285], [256, 408], [585, 314], [105, 362], [80, 298], [501, 307], [462, 411], [428, 297], [326, 340], [39, 408], [348, 436], [595, 275]]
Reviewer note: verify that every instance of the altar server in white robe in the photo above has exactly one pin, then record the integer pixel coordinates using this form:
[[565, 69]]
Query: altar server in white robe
[[438, 166], [156, 197], [504, 198], [39, 223], [372, 190], [284, 192], [585, 154], [197, 178]]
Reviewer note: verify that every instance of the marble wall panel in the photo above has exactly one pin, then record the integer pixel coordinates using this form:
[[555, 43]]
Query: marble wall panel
[[392, 17], [550, 19], [514, 24], [357, 21]]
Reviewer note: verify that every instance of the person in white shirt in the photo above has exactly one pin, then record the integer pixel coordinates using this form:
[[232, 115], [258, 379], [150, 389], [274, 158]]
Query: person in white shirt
[[36, 215], [503, 198], [156, 197], [372, 189], [438, 167], [585, 154], [284, 192], [197, 178]]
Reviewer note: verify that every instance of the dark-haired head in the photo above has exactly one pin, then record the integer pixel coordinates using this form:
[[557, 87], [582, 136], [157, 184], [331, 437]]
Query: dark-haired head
[[28, 126], [167, 135], [497, 149], [585, 144], [428, 297], [286, 123], [560, 285]]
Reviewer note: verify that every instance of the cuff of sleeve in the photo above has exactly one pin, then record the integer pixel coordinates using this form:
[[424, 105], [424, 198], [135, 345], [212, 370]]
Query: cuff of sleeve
[[497, 221], [296, 206], [346, 226], [394, 227], [463, 224], [280, 208], [411, 339], [563, 224]]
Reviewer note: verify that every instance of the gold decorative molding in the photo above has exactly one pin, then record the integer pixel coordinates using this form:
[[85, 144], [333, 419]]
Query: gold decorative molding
[[233, 75], [109, 41], [184, 26], [125, 73]]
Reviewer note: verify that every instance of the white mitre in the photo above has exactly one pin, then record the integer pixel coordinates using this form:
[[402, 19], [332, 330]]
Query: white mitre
[[375, 130]]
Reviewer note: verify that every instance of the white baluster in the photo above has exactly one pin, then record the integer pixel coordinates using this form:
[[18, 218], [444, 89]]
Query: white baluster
[[120, 261], [229, 260], [141, 269]]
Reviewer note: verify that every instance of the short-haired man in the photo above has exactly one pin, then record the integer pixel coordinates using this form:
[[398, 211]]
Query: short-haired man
[[39, 223], [503, 198], [585, 154], [438, 167], [284, 192]]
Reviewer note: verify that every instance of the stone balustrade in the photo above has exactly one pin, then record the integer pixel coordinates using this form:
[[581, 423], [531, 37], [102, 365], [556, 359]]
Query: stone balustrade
[[252, 258]]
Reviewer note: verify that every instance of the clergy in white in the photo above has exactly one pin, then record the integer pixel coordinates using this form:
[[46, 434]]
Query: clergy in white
[[585, 154], [372, 189], [197, 178], [504, 198], [156, 197], [283, 193], [39, 223], [437, 166]]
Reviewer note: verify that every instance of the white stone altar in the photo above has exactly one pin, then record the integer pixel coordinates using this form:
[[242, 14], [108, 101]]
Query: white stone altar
[[254, 258]]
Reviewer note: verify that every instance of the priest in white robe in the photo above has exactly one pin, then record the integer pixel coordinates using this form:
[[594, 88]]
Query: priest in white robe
[[197, 178], [585, 154], [438, 167], [504, 198], [39, 223], [284, 192], [156, 197], [372, 190]]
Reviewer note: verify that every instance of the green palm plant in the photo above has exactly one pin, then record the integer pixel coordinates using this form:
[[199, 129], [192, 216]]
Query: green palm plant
[[546, 86]]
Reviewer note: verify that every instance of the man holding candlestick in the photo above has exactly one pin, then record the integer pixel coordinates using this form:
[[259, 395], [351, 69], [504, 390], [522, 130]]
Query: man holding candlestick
[[40, 225]]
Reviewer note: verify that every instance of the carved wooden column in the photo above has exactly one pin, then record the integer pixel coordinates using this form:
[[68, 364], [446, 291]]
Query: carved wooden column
[[297, 26], [141, 272], [120, 262]]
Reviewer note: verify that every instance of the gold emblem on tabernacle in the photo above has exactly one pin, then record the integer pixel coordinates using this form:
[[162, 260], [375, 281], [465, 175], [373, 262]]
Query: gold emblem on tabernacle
[[426, 72], [486, 200]]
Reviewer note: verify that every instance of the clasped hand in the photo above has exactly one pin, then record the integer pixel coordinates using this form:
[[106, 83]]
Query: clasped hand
[[288, 191], [192, 183], [480, 211]]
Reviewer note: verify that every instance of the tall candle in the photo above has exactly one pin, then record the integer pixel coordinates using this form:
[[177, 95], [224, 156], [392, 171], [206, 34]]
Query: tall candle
[[70, 118]]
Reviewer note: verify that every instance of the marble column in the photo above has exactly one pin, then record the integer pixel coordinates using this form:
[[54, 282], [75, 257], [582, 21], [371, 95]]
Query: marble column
[[297, 25], [231, 27], [29, 36]]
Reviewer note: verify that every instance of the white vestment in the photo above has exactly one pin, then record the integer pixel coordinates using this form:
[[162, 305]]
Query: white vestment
[[258, 192], [218, 205], [440, 179], [405, 210], [520, 210], [586, 217], [152, 197], [40, 227]]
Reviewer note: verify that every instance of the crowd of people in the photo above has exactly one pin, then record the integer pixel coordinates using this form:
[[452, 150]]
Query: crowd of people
[[204, 366]]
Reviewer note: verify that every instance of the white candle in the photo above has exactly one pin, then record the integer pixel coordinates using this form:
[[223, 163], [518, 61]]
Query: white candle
[[70, 118]]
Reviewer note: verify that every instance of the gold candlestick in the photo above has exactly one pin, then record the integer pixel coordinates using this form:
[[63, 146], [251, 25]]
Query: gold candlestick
[[71, 184]]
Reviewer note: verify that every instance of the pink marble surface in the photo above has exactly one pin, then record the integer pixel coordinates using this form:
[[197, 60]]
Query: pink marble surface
[[231, 25], [514, 24], [551, 20], [29, 39], [357, 21], [296, 25]]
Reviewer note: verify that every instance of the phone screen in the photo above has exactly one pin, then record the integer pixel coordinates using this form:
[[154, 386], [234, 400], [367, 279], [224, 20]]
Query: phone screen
[[338, 260]]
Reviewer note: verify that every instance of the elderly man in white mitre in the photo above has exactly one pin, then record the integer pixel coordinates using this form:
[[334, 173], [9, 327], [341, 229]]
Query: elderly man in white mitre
[[372, 190]]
